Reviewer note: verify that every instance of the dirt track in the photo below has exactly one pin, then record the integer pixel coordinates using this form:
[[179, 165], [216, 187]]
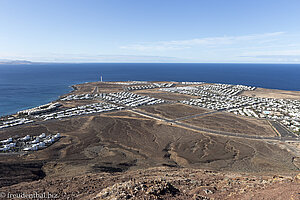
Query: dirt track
[[115, 144], [98, 151]]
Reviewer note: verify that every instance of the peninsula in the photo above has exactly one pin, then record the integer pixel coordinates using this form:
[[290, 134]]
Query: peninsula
[[170, 140]]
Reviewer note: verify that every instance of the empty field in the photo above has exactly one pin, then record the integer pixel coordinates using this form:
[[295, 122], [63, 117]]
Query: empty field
[[118, 143], [96, 87], [234, 124], [173, 111], [273, 93], [124, 114]]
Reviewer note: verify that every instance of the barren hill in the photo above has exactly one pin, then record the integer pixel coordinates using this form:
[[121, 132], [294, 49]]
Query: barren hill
[[153, 152]]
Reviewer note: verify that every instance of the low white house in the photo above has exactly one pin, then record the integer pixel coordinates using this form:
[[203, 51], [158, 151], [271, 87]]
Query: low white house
[[26, 138], [9, 140], [42, 135]]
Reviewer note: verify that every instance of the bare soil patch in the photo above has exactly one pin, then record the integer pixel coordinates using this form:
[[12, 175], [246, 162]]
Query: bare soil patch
[[234, 124], [164, 183], [76, 103], [114, 143], [273, 93], [124, 114], [101, 87], [174, 111]]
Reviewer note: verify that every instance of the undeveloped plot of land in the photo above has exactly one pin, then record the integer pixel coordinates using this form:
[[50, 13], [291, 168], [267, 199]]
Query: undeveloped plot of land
[[155, 93], [94, 144], [117, 144], [234, 124], [96, 87], [272, 93], [75, 103], [174, 111], [124, 114]]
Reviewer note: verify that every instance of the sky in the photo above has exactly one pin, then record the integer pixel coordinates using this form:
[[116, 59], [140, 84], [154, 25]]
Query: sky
[[197, 31]]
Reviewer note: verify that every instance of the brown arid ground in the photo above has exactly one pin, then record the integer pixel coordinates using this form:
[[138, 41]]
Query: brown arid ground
[[163, 183], [273, 93], [125, 155], [109, 144], [174, 111], [96, 87], [234, 124], [124, 114], [72, 104]]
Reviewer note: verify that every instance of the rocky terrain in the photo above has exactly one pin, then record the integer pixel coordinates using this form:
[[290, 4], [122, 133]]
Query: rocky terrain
[[128, 155], [164, 183]]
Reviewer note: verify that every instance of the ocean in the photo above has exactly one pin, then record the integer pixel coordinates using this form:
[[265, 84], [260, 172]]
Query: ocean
[[30, 85]]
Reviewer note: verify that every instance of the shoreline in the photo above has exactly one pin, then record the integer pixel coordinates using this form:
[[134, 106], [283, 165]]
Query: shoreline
[[56, 98], [264, 92], [170, 132]]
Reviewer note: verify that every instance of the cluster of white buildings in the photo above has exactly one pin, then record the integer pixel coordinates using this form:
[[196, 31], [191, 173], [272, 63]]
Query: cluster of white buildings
[[40, 109], [284, 110], [244, 87], [217, 102], [121, 98], [292, 124], [184, 90], [79, 97], [130, 99], [14, 122], [141, 87], [210, 89], [7, 145], [129, 82], [28, 143], [192, 83], [225, 89], [113, 101], [163, 85], [224, 96], [150, 86], [80, 110]]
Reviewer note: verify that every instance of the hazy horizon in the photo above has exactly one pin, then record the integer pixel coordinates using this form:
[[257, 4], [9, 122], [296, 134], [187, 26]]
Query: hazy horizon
[[150, 31]]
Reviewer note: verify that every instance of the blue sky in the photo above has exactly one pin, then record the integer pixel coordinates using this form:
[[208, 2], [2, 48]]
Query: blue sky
[[255, 31]]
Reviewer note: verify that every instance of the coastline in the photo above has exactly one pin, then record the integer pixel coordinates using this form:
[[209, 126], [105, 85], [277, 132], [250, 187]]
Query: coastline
[[139, 136], [259, 92], [25, 86], [49, 100]]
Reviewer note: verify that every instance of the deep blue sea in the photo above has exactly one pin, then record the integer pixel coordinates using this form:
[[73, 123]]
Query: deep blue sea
[[25, 86]]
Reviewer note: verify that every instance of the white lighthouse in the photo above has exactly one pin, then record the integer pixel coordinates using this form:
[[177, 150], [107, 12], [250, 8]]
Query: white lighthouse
[[101, 78]]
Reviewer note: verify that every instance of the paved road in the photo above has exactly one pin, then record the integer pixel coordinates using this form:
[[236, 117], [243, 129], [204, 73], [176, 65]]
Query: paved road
[[296, 139], [95, 90], [125, 89], [284, 132], [150, 115]]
